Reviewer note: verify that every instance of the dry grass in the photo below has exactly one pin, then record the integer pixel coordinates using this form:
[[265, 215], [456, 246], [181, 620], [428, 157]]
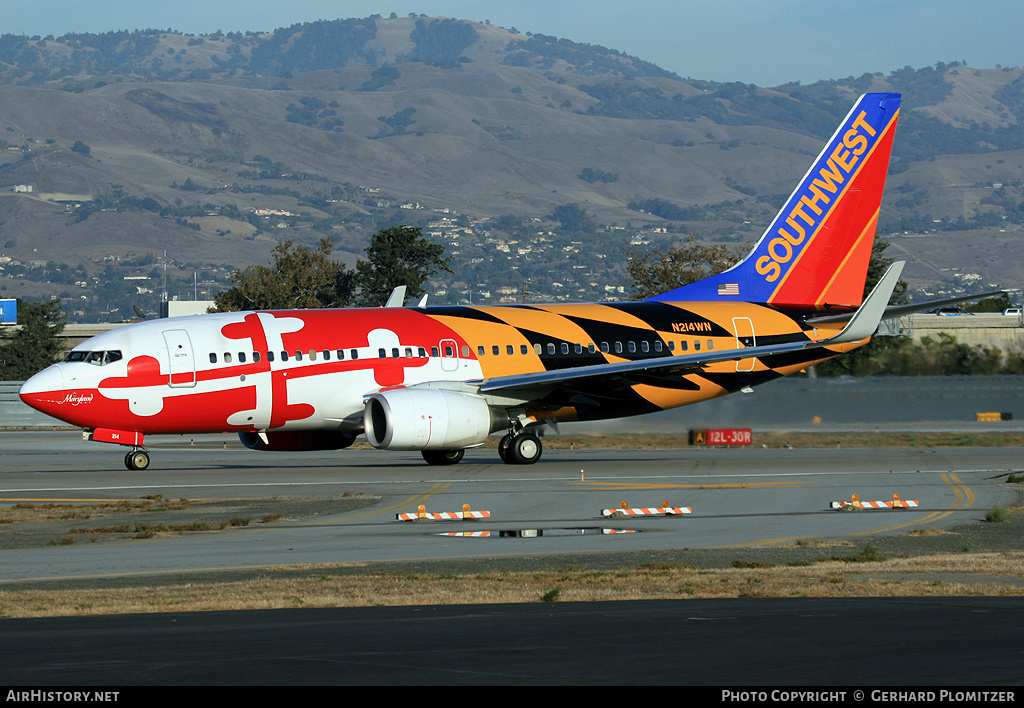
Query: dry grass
[[50, 511], [325, 586]]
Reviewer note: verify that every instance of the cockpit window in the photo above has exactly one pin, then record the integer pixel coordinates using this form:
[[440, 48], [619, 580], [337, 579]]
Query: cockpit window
[[98, 358]]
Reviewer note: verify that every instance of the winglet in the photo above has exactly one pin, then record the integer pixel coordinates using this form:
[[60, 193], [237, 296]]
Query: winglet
[[865, 320], [397, 298]]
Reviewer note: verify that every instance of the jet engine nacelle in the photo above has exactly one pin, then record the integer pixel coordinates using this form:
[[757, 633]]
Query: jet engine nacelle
[[428, 419], [296, 440]]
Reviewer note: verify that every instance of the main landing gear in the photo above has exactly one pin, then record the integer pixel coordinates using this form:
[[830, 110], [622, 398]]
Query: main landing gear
[[443, 457], [519, 448], [515, 448], [137, 459]]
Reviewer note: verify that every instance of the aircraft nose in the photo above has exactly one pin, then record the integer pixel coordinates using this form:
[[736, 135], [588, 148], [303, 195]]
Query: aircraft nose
[[45, 391]]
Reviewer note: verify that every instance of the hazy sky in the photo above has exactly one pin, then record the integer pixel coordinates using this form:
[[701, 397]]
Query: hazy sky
[[764, 42]]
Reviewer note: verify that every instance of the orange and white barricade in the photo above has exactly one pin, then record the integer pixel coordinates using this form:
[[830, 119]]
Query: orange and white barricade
[[663, 510], [421, 514], [856, 503]]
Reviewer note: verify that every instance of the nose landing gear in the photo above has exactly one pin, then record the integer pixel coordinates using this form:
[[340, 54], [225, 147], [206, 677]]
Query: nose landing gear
[[137, 459]]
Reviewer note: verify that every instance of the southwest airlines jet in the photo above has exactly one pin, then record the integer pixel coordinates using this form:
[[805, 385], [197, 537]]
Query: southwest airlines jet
[[442, 379]]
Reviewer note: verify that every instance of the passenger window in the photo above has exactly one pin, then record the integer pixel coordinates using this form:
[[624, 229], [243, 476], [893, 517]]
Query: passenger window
[[408, 352], [711, 344], [213, 358], [683, 346], [381, 354], [284, 356], [591, 348], [256, 357], [298, 356], [645, 347], [696, 345], [494, 350], [327, 354], [657, 346], [551, 348], [421, 353], [341, 354], [537, 349], [394, 352], [270, 356], [565, 348], [312, 354], [241, 357], [671, 345], [355, 353], [480, 350], [632, 347], [448, 351], [604, 348], [434, 352], [465, 351], [578, 348], [509, 349]]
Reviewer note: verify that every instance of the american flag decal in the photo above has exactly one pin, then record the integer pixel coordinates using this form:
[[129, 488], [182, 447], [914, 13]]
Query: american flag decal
[[728, 288]]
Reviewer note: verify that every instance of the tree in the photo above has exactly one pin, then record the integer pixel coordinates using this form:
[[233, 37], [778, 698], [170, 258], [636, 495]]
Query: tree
[[35, 345], [991, 304], [399, 255], [573, 217], [299, 278], [660, 271], [876, 269]]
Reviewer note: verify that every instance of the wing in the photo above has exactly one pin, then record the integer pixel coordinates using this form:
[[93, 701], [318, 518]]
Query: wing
[[901, 310], [862, 325]]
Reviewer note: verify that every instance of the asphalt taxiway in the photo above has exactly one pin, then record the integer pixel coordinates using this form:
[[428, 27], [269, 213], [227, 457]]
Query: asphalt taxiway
[[738, 498]]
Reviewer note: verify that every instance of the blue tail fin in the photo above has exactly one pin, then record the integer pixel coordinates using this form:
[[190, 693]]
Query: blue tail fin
[[815, 254]]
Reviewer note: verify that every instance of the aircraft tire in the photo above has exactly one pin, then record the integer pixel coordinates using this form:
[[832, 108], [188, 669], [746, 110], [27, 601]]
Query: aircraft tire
[[137, 460], [524, 449], [503, 449], [443, 457]]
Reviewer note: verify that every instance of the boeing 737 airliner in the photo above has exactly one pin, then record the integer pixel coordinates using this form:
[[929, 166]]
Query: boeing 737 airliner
[[442, 379]]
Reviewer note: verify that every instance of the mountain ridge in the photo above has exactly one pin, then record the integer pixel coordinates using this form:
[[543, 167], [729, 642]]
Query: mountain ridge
[[178, 140]]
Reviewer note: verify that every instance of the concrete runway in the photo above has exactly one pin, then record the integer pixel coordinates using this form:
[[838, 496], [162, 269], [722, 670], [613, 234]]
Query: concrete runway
[[738, 497]]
